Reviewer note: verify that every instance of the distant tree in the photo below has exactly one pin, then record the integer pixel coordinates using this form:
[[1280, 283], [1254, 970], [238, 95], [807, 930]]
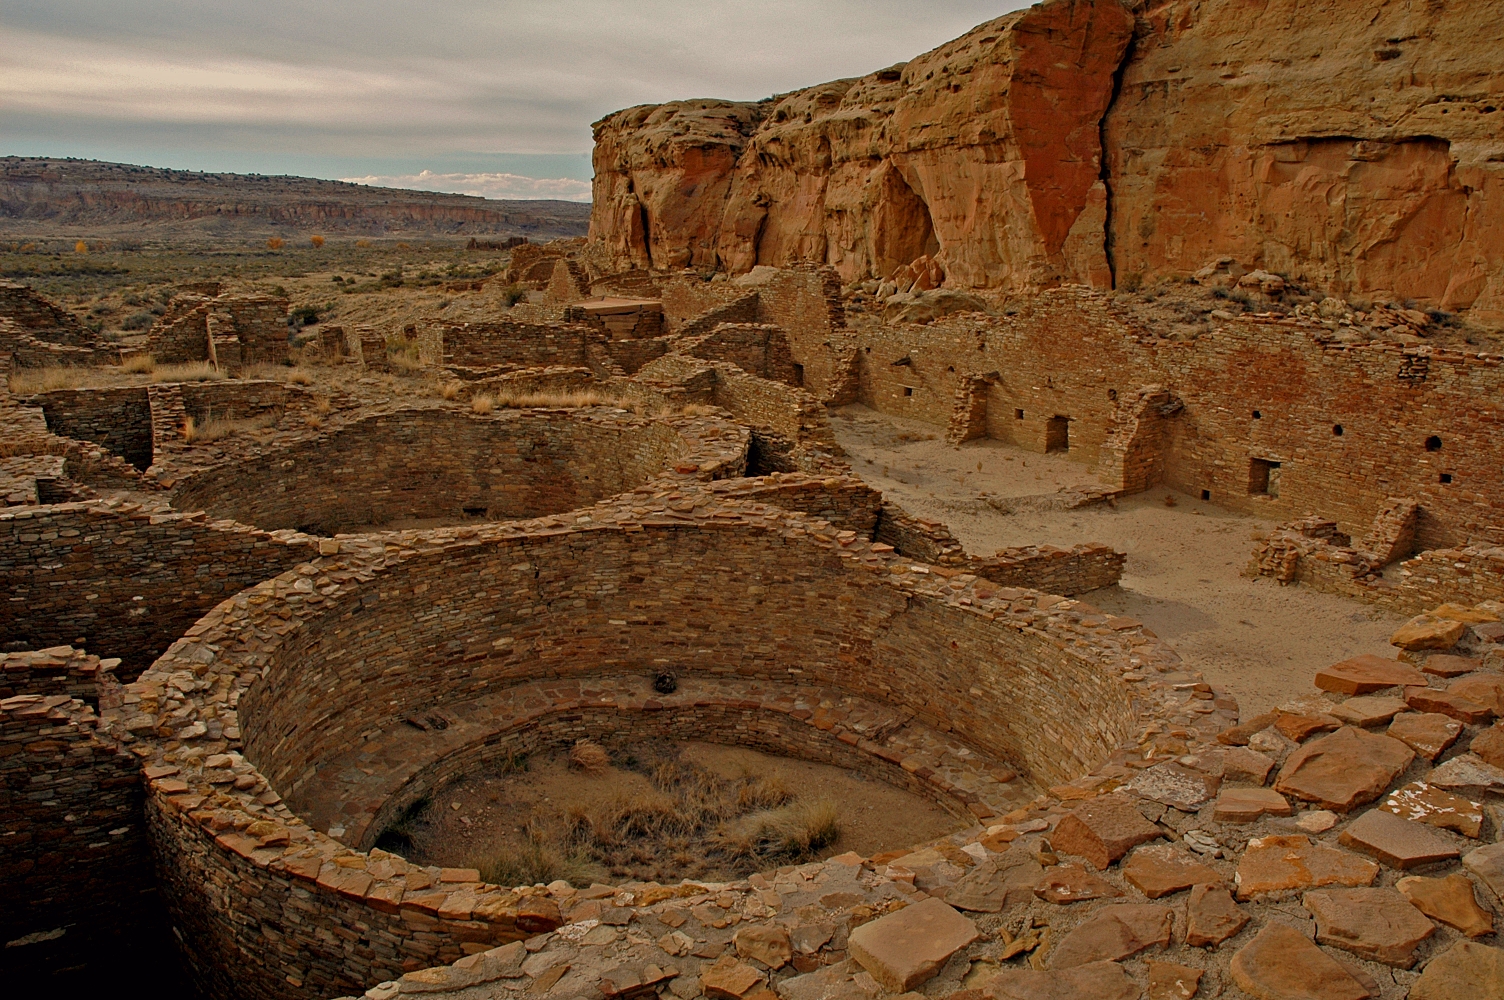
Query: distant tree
[[80, 247], [317, 241], [275, 243]]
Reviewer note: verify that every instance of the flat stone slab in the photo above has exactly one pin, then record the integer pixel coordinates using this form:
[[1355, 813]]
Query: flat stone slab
[[1097, 981], [1212, 916], [995, 884], [1115, 932], [1427, 632], [1468, 774], [1244, 805], [1283, 863], [1488, 864], [1425, 803], [1158, 870], [906, 948], [1243, 764], [1447, 665], [1399, 843], [1368, 710], [1485, 689], [1344, 770], [1377, 924], [1453, 703], [1073, 884], [1429, 734], [1168, 981], [1300, 727], [1366, 674], [1103, 830], [1281, 963], [1176, 786], [1450, 900], [1466, 971], [1489, 745]]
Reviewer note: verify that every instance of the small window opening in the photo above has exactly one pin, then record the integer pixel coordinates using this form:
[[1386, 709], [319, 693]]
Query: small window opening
[[798, 374], [474, 511], [1433, 443], [1337, 430], [1018, 414], [1263, 478], [1112, 394], [1446, 477], [1257, 415], [1206, 494], [908, 390], [1057, 434], [868, 350]]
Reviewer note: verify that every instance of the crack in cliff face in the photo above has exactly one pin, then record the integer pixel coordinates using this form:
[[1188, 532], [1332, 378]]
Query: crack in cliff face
[[1105, 169]]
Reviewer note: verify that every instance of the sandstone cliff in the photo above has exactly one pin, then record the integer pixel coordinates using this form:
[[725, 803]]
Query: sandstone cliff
[[1357, 147]]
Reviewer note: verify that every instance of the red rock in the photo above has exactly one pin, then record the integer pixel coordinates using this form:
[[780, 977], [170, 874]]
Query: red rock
[[1344, 770], [1277, 864], [1073, 884], [1450, 900], [1212, 916], [1436, 807], [1459, 707], [1447, 665], [1489, 745], [1158, 871], [1112, 933], [1366, 674], [1176, 786], [1282, 964], [1429, 734], [1244, 805], [1097, 981], [1484, 689], [1244, 765], [1168, 981], [1368, 710], [1302, 727], [1377, 924], [907, 947], [1103, 830], [769, 944], [1428, 632], [1466, 971], [1238, 735], [1397, 842], [729, 979]]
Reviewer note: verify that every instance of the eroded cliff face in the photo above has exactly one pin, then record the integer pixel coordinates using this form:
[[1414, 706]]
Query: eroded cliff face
[[1357, 147]]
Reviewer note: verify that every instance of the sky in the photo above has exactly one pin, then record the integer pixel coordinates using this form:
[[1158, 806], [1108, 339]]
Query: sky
[[490, 98]]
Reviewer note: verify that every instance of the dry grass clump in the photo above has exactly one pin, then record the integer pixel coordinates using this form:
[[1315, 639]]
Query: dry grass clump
[[213, 428], [483, 404], [278, 373], [323, 406], [193, 371], [26, 381], [696, 410], [587, 756], [139, 364], [450, 390], [540, 860]]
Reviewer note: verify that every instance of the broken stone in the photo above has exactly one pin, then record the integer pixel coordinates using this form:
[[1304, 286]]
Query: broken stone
[[1280, 963], [1212, 916], [1097, 981], [1450, 900], [729, 979], [1489, 745], [1485, 689], [1175, 786], [1114, 932], [1427, 733], [1436, 807], [1168, 981], [1244, 805], [1428, 632], [806, 939], [996, 884], [1073, 884], [1397, 842], [1488, 864], [906, 948], [1160, 870], [1282, 863], [1244, 765], [1239, 735], [1452, 703], [1302, 727], [1317, 820], [768, 943], [841, 981], [1103, 830], [1368, 711], [1377, 924], [1447, 665], [1466, 971], [1469, 775], [1366, 674], [1344, 770]]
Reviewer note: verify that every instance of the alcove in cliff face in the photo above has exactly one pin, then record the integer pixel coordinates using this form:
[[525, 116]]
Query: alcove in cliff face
[[902, 230]]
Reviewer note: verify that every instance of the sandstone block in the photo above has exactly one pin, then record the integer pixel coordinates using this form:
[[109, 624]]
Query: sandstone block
[[1212, 916], [1277, 864], [1488, 864], [1300, 727], [1367, 711], [1447, 665], [1103, 830], [1160, 870], [1451, 703], [1344, 770], [730, 980], [1397, 842], [1429, 734], [1366, 674], [995, 884], [1428, 632], [1378, 924], [1436, 807], [1450, 900], [1484, 689], [1244, 765], [1176, 786], [906, 948], [1099, 981], [769, 944], [1465, 971], [1244, 805], [1282, 964], [1114, 932], [1469, 775], [1489, 745], [1168, 981]]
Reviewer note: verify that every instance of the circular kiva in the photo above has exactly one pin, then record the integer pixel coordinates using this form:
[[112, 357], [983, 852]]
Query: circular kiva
[[418, 464], [782, 632]]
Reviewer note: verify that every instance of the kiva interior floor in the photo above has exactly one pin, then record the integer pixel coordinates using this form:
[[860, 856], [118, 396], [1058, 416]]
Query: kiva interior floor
[[660, 812]]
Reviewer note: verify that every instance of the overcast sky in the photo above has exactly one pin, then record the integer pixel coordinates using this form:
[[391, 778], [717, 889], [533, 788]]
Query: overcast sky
[[492, 98]]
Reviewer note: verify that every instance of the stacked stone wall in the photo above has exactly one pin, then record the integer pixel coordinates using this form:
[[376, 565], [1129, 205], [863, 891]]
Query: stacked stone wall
[[59, 670], [129, 579], [523, 345], [760, 349], [236, 399], [1252, 389], [1077, 570], [33, 314], [119, 419]]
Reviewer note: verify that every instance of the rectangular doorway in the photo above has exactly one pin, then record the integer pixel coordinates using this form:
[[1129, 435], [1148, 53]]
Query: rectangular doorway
[[1263, 477], [1057, 434]]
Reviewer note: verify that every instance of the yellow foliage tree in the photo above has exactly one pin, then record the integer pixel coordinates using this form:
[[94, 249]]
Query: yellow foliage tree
[[80, 247], [275, 243], [317, 241]]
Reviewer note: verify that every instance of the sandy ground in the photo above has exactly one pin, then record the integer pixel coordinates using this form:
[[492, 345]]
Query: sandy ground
[[470, 820], [1260, 641]]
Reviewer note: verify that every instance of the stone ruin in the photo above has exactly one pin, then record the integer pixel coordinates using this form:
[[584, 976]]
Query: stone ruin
[[229, 331], [229, 666]]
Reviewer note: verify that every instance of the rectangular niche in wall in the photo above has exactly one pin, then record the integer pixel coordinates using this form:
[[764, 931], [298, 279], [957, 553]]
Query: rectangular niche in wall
[[1263, 477], [1057, 434]]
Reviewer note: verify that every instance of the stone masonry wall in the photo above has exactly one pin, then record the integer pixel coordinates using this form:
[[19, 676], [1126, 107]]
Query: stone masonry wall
[[524, 345], [1077, 570], [119, 419]]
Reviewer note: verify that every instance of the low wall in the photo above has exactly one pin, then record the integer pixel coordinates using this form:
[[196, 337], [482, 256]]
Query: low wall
[[129, 579], [119, 419], [524, 345], [1077, 570]]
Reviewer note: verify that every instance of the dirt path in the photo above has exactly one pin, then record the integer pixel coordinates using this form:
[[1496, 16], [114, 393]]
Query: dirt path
[[1183, 577]]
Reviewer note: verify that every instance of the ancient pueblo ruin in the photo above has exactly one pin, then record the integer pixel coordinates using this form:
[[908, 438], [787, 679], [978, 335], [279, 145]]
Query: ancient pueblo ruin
[[1023, 524]]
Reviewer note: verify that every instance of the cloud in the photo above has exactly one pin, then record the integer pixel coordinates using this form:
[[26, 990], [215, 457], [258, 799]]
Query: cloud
[[484, 185]]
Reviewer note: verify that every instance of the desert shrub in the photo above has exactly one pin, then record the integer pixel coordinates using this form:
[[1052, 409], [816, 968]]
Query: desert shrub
[[138, 321], [537, 860], [275, 243], [317, 241], [213, 428], [304, 316], [513, 294], [139, 364], [483, 404]]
